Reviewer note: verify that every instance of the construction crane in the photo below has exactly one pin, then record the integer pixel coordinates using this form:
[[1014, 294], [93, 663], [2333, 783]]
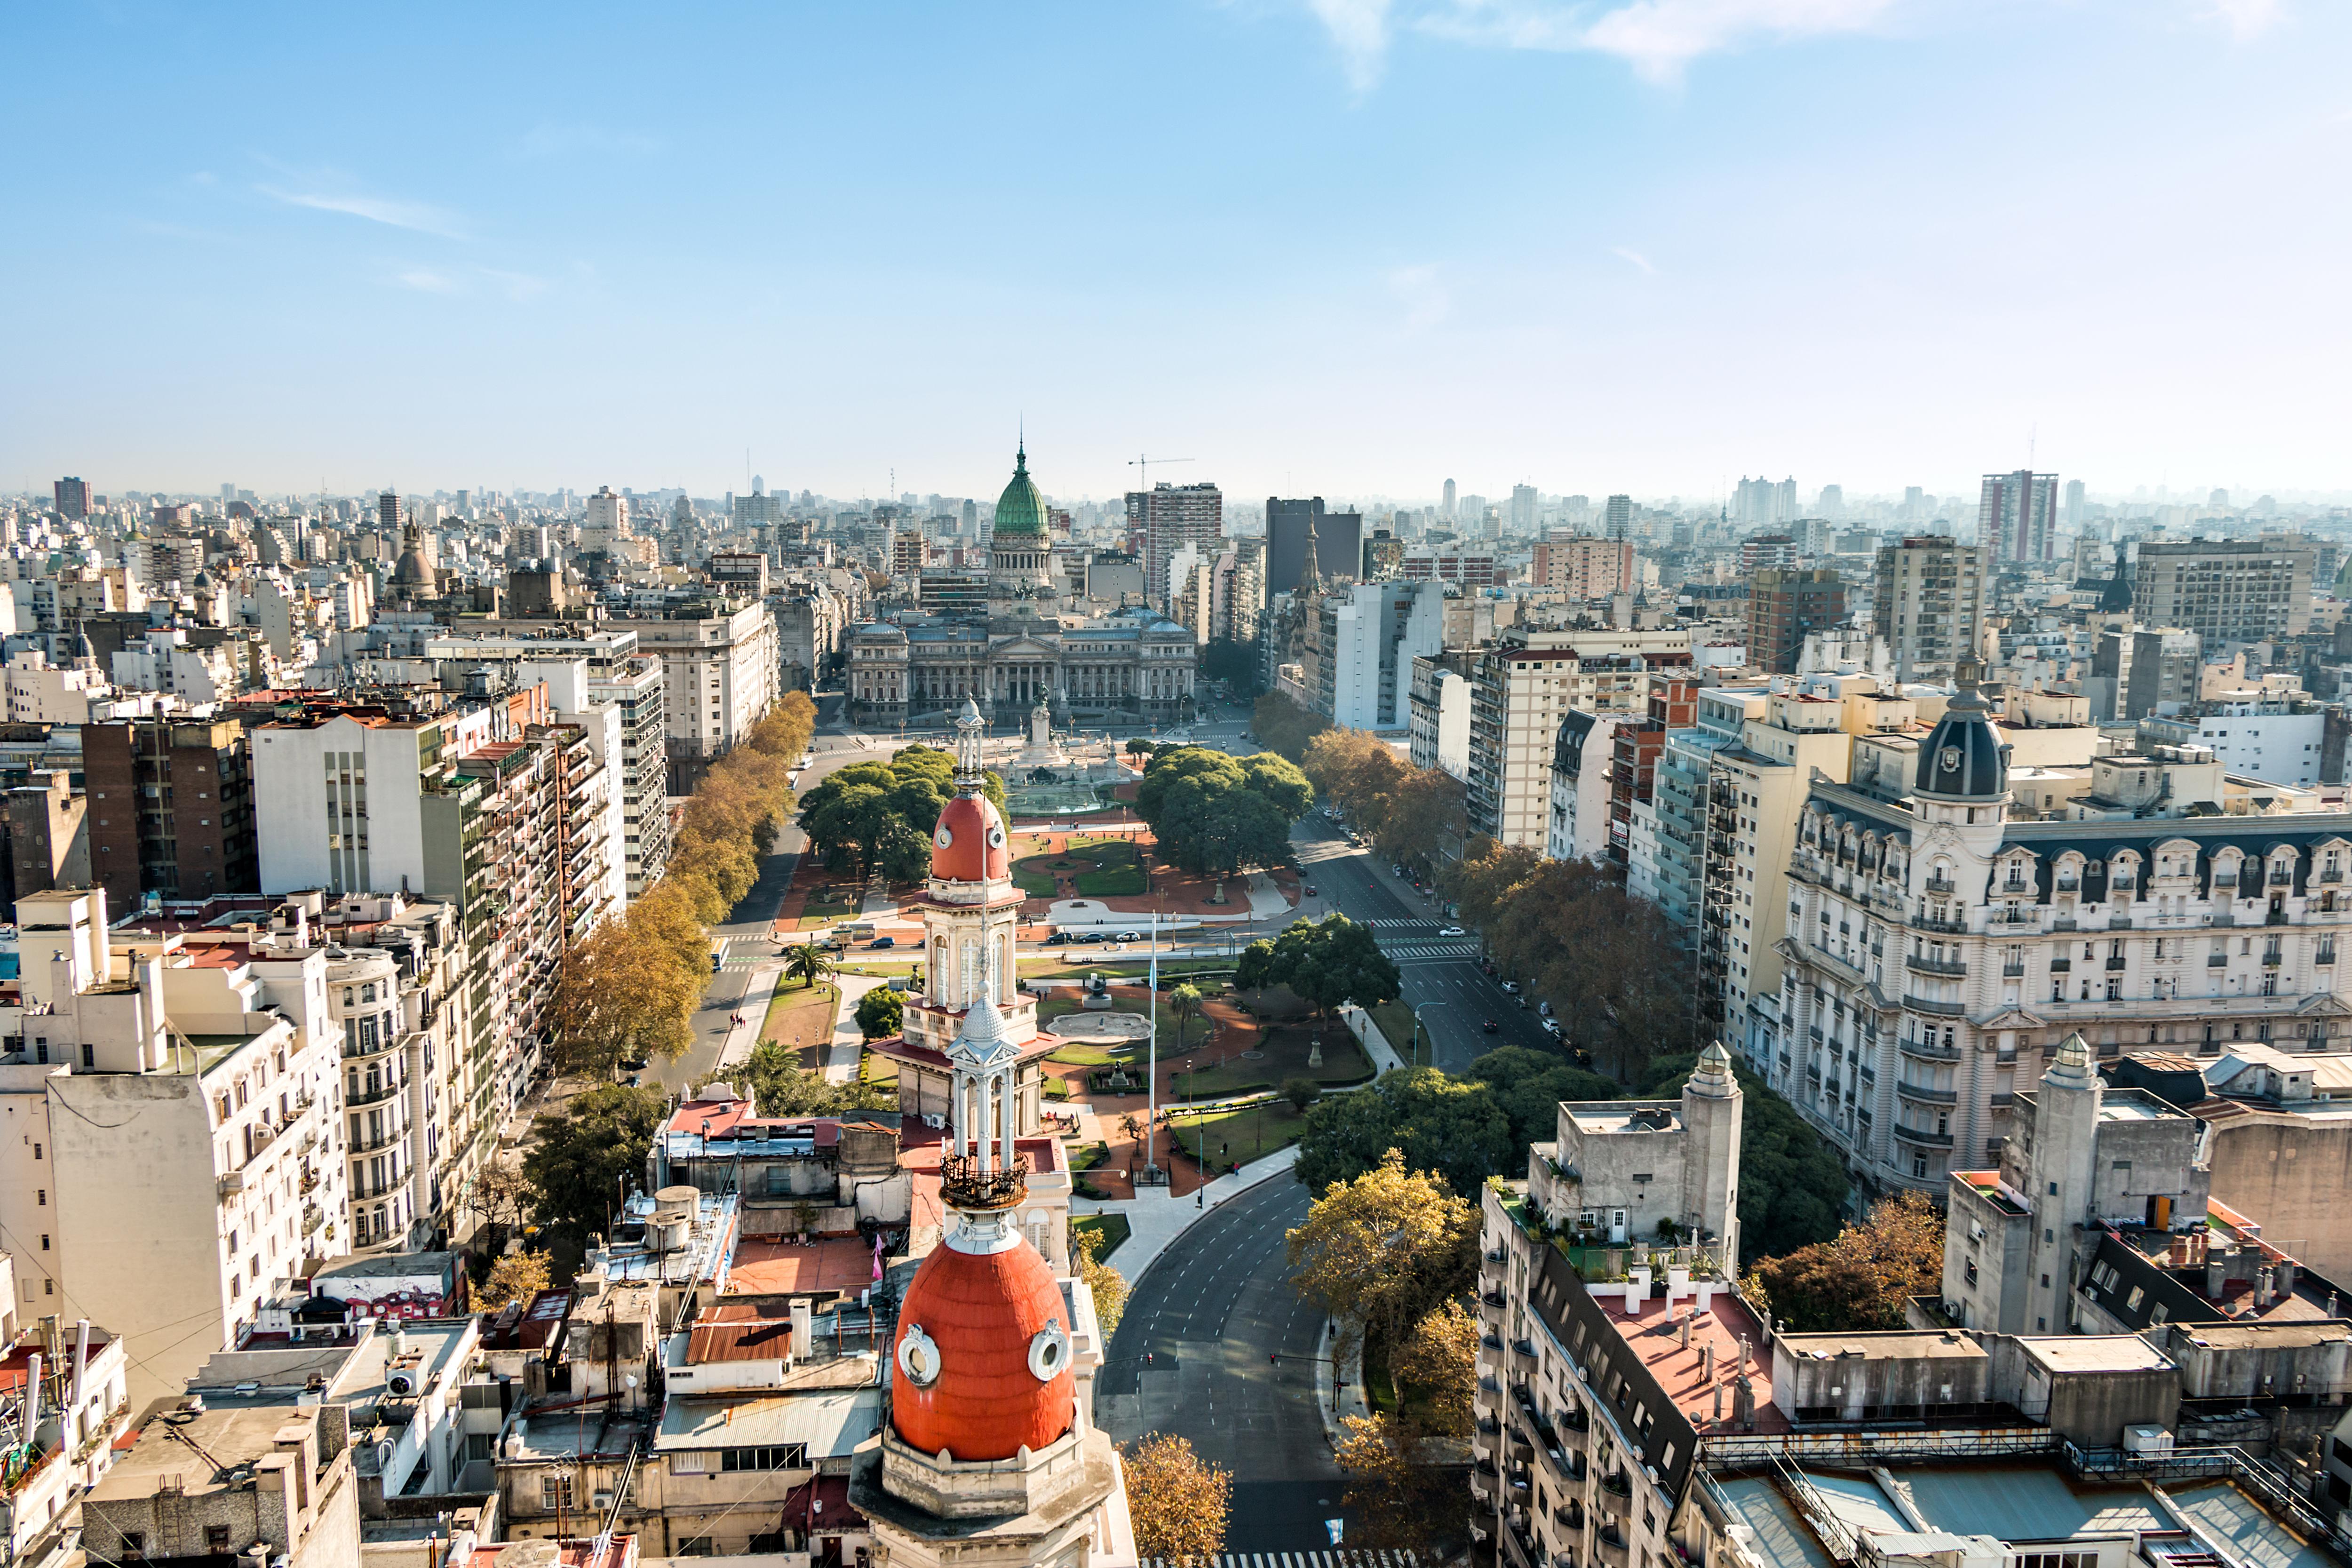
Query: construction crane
[[1144, 465]]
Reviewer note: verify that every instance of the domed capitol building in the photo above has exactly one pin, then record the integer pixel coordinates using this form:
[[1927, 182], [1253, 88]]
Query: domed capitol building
[[1132, 665]]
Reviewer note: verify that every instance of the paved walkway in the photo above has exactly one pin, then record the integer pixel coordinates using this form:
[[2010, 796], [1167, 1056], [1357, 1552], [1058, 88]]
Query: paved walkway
[[1157, 1217], [849, 1041], [758, 989]]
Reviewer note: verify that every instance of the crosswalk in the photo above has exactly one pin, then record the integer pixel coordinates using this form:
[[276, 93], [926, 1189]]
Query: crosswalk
[[1340, 1558], [1429, 951], [1400, 923]]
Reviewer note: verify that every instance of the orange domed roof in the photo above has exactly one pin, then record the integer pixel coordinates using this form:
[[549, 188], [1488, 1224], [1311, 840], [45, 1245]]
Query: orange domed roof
[[968, 844], [975, 1333]]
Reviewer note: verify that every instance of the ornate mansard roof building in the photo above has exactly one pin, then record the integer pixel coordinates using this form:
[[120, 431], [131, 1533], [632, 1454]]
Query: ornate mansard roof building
[[1940, 947]]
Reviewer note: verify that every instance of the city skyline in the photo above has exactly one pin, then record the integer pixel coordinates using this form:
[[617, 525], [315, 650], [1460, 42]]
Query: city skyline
[[1642, 248]]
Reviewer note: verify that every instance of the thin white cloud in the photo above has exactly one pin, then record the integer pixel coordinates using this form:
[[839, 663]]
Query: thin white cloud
[[1635, 257], [1360, 29], [416, 216], [1657, 37], [2247, 18], [426, 282], [550, 140], [1423, 295]]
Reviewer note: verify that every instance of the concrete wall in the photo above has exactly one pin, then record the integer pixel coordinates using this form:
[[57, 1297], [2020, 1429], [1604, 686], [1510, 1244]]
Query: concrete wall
[[2291, 1173]]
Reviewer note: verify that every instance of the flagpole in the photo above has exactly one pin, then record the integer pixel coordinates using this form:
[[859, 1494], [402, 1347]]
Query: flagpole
[[1151, 1074]]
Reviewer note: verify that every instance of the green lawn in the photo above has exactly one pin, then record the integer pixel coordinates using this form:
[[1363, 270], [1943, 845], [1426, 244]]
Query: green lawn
[[1241, 1135], [1089, 1056], [872, 1069], [1037, 886], [1110, 1230], [1119, 882], [1344, 1062], [796, 1009], [1395, 1020]]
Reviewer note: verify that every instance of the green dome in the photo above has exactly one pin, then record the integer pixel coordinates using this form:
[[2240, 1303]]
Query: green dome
[[1021, 511]]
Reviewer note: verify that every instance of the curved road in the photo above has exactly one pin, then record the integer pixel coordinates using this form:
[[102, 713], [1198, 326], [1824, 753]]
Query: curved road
[[1209, 1311]]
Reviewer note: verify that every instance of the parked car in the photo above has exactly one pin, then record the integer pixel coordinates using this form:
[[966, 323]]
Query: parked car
[[1510, 988], [1545, 1008], [883, 942], [1311, 892], [1131, 936], [1489, 1028], [1551, 1027], [1057, 939], [1452, 931]]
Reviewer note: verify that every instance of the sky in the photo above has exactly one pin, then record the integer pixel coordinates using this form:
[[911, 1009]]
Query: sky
[[1353, 247]]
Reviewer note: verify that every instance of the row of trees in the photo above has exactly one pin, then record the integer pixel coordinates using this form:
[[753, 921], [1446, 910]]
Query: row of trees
[[1282, 725], [628, 991], [1609, 962], [878, 816], [1215, 813], [1412, 814]]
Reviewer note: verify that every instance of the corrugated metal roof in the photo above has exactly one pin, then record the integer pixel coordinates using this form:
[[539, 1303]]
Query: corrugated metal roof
[[832, 1425]]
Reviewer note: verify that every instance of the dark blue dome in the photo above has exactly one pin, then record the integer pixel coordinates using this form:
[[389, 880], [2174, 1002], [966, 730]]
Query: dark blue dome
[[1964, 757]]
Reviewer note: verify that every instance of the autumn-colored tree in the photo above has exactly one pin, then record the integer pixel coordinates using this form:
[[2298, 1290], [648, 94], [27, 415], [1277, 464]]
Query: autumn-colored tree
[[1105, 1284], [1860, 1279], [1178, 1500], [1394, 1491], [1379, 1253], [1440, 1360], [517, 1276], [499, 1200], [618, 998]]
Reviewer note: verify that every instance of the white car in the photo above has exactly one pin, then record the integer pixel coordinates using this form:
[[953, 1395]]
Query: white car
[[1452, 931]]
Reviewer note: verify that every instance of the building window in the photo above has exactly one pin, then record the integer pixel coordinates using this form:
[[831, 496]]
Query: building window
[[554, 1491]]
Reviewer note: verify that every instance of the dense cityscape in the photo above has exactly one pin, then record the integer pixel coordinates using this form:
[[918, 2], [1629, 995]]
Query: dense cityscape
[[1319, 784]]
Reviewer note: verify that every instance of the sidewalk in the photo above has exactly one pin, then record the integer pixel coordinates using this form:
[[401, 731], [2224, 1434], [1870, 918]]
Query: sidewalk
[[1352, 1401], [849, 1041], [1156, 1218], [758, 988]]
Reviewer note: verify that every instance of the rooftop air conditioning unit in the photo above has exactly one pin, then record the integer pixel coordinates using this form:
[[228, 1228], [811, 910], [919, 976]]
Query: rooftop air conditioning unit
[[403, 1383]]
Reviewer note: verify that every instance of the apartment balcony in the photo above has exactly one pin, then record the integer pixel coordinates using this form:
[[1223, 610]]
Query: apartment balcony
[[1939, 887], [1935, 1005], [1615, 1494], [1926, 1096], [1920, 1138], [376, 1095], [1929, 923], [1955, 968], [1609, 1547]]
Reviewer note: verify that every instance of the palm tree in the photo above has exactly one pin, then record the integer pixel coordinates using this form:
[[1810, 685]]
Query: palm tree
[[1184, 1001], [807, 962]]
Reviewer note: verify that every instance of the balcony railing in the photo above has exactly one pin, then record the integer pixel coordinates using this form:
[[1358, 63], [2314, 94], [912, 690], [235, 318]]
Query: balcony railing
[[1929, 1050], [1923, 1138], [1923, 966], [1934, 1004], [1927, 1096]]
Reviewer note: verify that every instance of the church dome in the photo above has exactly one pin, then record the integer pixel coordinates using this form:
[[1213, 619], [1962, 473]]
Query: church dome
[[983, 1354], [968, 844], [1021, 511], [1964, 757]]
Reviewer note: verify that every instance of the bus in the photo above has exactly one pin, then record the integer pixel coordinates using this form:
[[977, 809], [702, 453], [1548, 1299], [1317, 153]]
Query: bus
[[719, 953]]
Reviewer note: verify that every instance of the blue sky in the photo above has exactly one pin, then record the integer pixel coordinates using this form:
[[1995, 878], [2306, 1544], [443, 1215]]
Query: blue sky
[[1355, 247]]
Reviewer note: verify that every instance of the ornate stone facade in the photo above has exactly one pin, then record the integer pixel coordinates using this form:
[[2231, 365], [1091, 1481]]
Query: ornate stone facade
[[1135, 666]]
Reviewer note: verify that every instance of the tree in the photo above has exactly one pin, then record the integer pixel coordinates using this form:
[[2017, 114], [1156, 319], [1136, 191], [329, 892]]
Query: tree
[[880, 1012], [1440, 1359], [1235, 663], [1529, 1085], [1450, 1126], [1379, 1253], [1184, 1001], [1283, 726], [777, 1085], [1327, 963], [1178, 1500], [582, 1157], [1301, 1092], [1396, 1495], [1105, 1284], [1139, 747], [499, 1200], [1215, 813], [517, 1276], [620, 997], [807, 963], [1862, 1279], [878, 816]]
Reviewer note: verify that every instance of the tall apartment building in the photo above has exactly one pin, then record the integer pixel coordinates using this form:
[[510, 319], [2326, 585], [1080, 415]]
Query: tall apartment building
[[1520, 689], [1585, 567], [169, 808], [1592, 1396], [1439, 719], [173, 1145], [1166, 518], [1580, 786], [1761, 552], [1523, 509], [1938, 951], [1240, 592], [1370, 636], [1339, 542], [1930, 603], [720, 674], [1618, 520], [2017, 518], [2227, 590], [71, 496], [606, 524], [1785, 605], [387, 513]]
